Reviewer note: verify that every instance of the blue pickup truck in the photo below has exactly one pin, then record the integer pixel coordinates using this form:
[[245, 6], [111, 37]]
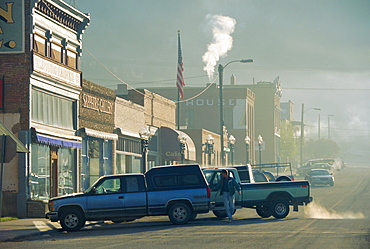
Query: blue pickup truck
[[181, 192]]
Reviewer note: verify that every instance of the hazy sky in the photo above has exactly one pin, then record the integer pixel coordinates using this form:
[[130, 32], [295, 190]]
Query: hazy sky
[[318, 48]]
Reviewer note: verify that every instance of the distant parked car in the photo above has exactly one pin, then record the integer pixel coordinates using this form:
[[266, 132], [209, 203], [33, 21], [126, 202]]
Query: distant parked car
[[323, 166], [302, 171], [336, 164], [320, 176]]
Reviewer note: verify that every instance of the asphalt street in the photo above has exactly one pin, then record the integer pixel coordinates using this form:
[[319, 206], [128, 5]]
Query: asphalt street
[[338, 218]]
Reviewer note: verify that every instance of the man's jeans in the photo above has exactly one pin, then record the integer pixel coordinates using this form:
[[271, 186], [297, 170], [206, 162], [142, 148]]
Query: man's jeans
[[229, 204]]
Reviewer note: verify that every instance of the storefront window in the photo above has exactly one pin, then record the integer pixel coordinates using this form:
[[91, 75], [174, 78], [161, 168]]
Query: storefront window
[[40, 172], [120, 164], [66, 174], [40, 175], [128, 164], [53, 110], [96, 160]]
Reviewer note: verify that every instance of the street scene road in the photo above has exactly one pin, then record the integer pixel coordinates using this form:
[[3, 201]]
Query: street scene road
[[338, 218]]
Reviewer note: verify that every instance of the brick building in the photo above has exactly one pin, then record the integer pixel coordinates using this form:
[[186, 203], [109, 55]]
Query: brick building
[[159, 116], [41, 81], [96, 126], [203, 112]]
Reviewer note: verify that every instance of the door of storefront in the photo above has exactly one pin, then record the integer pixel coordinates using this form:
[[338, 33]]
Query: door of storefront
[[54, 171]]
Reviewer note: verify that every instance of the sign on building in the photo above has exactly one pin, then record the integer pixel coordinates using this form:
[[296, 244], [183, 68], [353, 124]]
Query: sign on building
[[12, 26]]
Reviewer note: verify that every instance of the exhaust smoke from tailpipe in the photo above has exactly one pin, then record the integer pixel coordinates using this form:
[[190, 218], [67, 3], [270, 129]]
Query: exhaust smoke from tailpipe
[[316, 211]]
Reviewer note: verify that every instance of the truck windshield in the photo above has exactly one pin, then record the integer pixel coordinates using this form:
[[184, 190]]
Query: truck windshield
[[89, 189]]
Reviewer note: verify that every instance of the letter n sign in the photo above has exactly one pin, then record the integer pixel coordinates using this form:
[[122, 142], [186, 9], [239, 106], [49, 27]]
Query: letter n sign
[[1, 92]]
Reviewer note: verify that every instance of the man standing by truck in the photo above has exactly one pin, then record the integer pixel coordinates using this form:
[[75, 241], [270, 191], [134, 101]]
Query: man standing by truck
[[228, 188]]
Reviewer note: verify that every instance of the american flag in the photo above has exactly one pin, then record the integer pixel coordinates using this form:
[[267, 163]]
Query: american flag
[[180, 78]]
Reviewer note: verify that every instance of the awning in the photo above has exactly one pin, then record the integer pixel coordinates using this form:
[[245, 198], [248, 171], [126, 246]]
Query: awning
[[99, 134], [58, 141], [170, 146], [120, 131], [20, 146]]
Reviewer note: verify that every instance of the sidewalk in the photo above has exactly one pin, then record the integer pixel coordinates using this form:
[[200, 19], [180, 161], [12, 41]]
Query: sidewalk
[[21, 228]]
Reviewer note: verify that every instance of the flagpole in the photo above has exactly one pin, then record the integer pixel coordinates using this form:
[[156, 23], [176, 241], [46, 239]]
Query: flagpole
[[178, 110]]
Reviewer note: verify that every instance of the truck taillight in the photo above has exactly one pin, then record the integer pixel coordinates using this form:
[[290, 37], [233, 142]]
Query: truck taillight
[[208, 192]]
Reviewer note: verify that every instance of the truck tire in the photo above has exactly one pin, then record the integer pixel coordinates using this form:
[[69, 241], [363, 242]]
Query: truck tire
[[280, 209], [193, 216], [283, 179], [72, 219], [263, 211], [221, 213], [179, 213]]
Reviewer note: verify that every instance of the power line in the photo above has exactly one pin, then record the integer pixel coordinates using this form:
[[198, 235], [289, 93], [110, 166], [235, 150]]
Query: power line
[[326, 89], [342, 129]]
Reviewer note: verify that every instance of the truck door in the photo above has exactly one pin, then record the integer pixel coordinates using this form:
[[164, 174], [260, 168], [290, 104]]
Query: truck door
[[107, 200], [135, 195], [215, 185]]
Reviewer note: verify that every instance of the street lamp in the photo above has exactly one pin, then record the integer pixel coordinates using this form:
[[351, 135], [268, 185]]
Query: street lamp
[[319, 125], [144, 136], [209, 148], [232, 140], [330, 115], [302, 130], [260, 143], [182, 141], [247, 142], [220, 75]]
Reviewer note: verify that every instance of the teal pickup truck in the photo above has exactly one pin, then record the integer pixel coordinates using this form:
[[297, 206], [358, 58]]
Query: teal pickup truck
[[268, 198]]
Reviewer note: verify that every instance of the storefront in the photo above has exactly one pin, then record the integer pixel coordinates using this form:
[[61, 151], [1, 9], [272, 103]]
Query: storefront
[[96, 155], [128, 152], [54, 169], [171, 150], [96, 121]]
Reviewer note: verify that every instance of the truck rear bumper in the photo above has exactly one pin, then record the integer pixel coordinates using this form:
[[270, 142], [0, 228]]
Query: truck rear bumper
[[302, 201]]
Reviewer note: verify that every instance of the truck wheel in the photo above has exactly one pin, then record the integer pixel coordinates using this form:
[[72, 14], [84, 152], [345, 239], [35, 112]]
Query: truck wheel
[[72, 220], [280, 209], [263, 211], [221, 213], [283, 179], [193, 216], [179, 213]]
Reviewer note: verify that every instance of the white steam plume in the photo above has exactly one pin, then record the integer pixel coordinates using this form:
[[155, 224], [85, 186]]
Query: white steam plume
[[314, 210], [222, 42]]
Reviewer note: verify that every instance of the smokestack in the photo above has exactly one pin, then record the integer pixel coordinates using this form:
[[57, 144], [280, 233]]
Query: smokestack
[[232, 80], [121, 90]]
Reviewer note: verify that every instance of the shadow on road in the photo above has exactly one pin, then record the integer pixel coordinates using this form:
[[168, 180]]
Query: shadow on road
[[157, 224]]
